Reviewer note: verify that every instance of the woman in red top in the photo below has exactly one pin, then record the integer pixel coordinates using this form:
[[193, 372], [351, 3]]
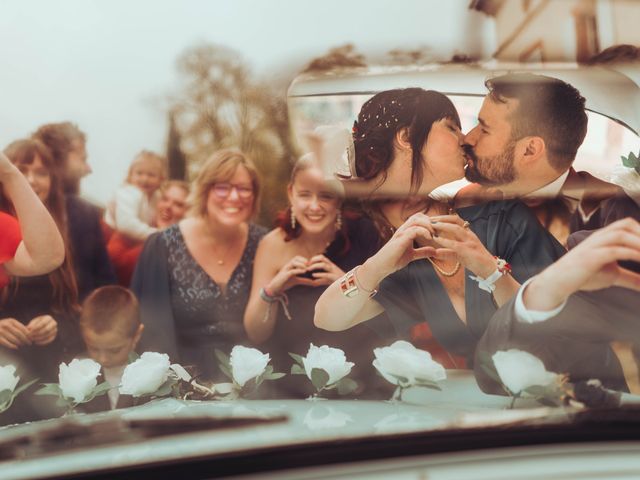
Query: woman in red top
[[9, 242], [35, 245]]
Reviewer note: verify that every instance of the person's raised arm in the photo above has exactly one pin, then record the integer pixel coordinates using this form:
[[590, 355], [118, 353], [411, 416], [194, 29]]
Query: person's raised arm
[[342, 306], [592, 265], [42, 248]]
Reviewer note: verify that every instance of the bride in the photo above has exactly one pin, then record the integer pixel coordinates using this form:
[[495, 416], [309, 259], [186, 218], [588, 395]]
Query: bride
[[449, 268]]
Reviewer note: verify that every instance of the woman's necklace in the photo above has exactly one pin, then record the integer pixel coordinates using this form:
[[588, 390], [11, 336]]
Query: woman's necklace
[[444, 272], [221, 258]]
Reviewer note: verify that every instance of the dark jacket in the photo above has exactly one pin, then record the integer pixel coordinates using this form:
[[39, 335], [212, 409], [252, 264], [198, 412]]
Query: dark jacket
[[90, 259]]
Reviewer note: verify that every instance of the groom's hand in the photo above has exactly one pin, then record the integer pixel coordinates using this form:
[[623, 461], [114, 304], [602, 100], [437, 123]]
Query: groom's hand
[[592, 265]]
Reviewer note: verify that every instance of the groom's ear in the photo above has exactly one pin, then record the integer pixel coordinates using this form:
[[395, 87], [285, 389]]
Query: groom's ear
[[532, 150], [402, 138]]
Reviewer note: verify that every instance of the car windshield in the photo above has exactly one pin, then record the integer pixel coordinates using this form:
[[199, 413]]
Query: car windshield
[[362, 262]]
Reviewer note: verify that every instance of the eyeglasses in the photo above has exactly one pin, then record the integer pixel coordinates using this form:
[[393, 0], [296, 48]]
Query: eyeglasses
[[223, 190]]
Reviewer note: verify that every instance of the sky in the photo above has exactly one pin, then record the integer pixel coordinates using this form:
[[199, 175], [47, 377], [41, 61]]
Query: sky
[[110, 65]]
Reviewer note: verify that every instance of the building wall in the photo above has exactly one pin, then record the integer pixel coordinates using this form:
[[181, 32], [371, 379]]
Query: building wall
[[550, 34], [625, 15]]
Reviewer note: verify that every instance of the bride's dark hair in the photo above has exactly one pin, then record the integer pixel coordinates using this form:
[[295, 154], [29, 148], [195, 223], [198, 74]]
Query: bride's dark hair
[[387, 112]]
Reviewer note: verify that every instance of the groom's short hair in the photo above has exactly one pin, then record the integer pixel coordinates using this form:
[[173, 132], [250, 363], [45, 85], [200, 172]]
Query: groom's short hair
[[548, 108]]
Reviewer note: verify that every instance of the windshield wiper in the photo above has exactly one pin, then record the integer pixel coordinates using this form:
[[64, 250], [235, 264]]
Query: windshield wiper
[[69, 433]]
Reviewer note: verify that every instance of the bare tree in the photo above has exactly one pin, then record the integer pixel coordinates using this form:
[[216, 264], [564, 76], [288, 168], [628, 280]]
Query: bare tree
[[177, 160], [223, 105]]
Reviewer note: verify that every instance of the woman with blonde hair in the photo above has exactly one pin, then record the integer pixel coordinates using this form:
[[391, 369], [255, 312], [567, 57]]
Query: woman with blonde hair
[[193, 279]]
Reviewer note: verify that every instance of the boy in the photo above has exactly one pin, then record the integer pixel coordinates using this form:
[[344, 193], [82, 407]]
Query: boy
[[110, 327]]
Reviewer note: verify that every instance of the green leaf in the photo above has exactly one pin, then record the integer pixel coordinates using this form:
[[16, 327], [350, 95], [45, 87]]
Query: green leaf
[[297, 358], [50, 389], [491, 372], [346, 386], [6, 399], [549, 402], [297, 370], [536, 391], [132, 357], [23, 387], [222, 357], [401, 380], [275, 376], [165, 389], [101, 389], [631, 161], [65, 403], [319, 378], [226, 370], [427, 384]]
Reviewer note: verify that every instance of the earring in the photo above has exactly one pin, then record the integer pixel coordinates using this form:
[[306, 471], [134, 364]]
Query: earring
[[293, 220], [339, 220]]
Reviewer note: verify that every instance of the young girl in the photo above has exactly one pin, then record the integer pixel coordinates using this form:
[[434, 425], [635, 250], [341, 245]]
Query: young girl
[[132, 213], [133, 209]]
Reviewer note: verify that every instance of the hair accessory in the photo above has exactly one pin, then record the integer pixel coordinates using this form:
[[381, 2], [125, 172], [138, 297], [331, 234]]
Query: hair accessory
[[335, 152], [488, 284]]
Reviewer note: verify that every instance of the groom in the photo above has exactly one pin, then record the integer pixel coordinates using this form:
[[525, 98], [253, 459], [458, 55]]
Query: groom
[[569, 313], [529, 131]]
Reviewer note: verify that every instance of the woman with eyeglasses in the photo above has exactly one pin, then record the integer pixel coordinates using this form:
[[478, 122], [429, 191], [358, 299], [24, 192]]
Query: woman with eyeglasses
[[193, 279]]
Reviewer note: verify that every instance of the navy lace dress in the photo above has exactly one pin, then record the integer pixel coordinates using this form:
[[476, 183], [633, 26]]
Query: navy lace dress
[[185, 313]]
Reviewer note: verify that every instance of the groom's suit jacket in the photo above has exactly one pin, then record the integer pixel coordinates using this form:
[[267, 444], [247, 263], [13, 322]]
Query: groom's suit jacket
[[576, 341], [604, 203]]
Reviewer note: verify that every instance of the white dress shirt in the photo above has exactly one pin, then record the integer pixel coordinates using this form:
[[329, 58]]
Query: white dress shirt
[[524, 315]]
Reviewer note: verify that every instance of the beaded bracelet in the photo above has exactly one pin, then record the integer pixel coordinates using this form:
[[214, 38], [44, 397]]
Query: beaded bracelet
[[270, 298]]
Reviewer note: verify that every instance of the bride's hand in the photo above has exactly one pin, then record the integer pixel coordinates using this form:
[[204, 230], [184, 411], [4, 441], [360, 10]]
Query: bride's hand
[[457, 240], [400, 249]]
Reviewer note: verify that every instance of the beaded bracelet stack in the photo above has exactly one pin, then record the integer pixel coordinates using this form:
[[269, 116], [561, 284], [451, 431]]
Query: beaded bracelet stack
[[271, 298]]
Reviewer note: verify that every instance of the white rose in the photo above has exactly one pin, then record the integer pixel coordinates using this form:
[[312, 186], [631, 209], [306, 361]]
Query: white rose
[[8, 378], [628, 179], [247, 363], [331, 360], [519, 370], [146, 374], [404, 360], [79, 378]]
